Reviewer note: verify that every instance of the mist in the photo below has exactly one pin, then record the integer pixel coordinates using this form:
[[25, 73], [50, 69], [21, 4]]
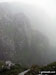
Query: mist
[[42, 15], [28, 29]]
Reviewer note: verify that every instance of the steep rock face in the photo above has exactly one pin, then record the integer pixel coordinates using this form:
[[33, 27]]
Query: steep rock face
[[18, 42]]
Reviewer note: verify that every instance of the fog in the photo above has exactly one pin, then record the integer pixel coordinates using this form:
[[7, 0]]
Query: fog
[[42, 14], [38, 22]]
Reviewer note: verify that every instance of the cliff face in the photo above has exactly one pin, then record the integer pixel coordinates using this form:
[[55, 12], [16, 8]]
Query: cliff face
[[18, 42]]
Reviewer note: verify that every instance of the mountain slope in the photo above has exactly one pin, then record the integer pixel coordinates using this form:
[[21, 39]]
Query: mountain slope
[[18, 42]]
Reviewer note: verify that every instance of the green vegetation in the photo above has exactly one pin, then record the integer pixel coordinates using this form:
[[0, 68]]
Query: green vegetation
[[14, 70], [35, 69], [50, 67], [1, 64]]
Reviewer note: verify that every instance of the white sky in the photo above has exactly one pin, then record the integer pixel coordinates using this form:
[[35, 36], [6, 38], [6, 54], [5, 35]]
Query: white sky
[[48, 5]]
